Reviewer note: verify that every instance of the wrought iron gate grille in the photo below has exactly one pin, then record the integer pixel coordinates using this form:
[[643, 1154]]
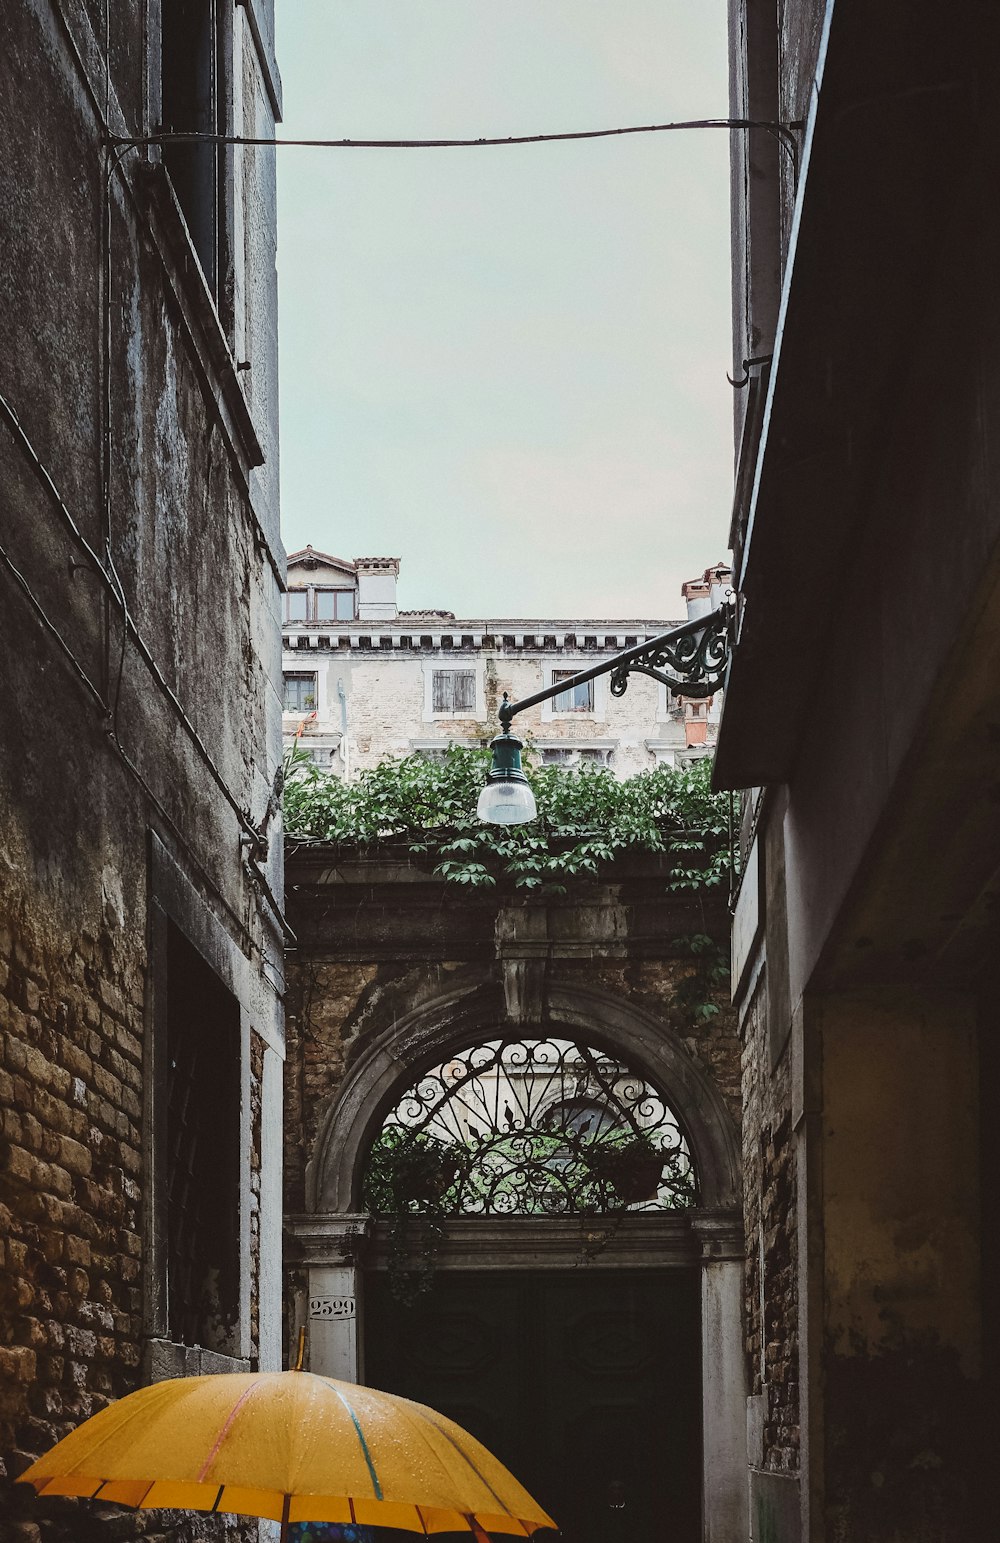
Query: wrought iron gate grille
[[530, 1127]]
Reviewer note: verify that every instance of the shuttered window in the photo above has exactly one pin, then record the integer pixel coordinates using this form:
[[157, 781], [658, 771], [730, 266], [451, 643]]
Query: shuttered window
[[454, 691]]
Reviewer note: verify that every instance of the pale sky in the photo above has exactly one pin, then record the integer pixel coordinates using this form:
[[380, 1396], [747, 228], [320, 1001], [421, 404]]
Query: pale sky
[[507, 367]]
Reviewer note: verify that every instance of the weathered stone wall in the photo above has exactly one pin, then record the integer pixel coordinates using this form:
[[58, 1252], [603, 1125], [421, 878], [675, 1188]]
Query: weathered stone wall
[[141, 712], [771, 1248], [376, 944]]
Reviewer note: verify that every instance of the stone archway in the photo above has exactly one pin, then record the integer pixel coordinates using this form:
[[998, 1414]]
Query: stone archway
[[332, 1235], [333, 1174]]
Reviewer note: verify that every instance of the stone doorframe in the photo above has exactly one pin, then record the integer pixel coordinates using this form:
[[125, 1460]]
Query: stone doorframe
[[336, 1240]]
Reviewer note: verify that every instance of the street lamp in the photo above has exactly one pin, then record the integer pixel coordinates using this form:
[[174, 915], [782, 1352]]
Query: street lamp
[[507, 798], [697, 653]]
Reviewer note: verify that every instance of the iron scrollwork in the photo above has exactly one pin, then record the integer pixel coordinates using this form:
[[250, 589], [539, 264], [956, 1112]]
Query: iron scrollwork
[[530, 1127], [698, 660]]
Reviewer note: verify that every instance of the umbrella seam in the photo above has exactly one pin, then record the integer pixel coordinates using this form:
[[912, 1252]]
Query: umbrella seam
[[361, 1437], [465, 1457], [210, 1459]]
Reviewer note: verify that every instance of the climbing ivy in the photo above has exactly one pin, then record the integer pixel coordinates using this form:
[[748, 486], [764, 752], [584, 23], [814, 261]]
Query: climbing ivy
[[586, 818]]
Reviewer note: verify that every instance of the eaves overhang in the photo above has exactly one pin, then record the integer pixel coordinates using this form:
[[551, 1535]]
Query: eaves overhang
[[897, 115]]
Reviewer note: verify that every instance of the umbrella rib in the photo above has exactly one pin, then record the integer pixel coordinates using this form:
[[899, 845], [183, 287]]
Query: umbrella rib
[[361, 1437], [224, 1432], [466, 1458]]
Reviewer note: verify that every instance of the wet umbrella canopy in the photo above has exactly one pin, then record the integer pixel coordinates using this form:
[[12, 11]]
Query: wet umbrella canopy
[[293, 1447]]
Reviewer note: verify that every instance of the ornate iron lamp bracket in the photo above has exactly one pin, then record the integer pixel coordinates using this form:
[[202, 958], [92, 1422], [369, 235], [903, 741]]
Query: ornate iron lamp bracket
[[696, 654]]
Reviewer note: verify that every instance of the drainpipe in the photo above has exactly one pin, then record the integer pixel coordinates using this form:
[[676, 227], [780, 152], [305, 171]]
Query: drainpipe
[[345, 748]]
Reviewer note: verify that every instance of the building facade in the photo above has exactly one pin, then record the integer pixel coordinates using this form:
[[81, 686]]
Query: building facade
[[589, 1331], [364, 680], [866, 328], [141, 942]]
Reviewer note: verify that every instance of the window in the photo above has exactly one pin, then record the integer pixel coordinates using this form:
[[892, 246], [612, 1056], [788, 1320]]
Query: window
[[531, 1127], [300, 692], [454, 691], [334, 604], [311, 604], [202, 1152], [554, 757], [580, 699], [191, 95]]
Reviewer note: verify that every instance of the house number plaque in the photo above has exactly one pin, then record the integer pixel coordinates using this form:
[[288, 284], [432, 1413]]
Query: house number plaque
[[333, 1307]]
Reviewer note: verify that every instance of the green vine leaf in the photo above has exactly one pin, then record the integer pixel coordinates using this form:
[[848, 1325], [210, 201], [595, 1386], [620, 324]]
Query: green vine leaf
[[586, 818]]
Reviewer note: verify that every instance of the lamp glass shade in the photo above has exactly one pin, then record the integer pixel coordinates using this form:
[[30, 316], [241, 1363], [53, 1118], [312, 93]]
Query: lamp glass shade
[[506, 802]]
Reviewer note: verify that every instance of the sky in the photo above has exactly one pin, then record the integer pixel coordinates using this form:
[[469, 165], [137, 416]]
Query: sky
[[507, 366]]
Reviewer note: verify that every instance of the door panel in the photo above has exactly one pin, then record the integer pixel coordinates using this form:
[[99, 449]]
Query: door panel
[[587, 1386]]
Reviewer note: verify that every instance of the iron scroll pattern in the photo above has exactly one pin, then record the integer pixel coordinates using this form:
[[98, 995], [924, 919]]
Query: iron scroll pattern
[[698, 659], [529, 1127]]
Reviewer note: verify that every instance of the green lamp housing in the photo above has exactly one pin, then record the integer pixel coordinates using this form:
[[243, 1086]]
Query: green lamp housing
[[507, 798]]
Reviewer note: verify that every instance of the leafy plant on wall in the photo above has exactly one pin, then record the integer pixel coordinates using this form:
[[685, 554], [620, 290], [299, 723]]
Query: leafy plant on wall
[[586, 818]]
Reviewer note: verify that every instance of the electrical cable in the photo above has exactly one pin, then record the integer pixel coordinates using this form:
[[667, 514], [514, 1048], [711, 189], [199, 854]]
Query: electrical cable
[[84, 679], [130, 628], [782, 131]]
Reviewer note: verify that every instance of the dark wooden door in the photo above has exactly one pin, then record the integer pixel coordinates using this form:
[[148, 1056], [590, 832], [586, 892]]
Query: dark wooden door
[[588, 1387]]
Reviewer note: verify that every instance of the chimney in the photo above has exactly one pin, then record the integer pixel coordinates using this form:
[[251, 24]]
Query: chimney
[[377, 588], [708, 593]]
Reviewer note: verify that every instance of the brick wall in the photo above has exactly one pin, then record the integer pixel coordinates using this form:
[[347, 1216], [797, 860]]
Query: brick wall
[[71, 1309], [70, 1092], [771, 1241]]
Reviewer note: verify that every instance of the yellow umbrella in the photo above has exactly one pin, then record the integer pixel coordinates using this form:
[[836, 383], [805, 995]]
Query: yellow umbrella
[[293, 1447]]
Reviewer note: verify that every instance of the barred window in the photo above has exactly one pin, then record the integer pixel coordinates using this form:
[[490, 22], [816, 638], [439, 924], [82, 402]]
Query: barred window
[[454, 691]]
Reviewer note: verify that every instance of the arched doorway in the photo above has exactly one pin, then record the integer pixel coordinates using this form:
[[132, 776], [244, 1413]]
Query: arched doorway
[[583, 1315]]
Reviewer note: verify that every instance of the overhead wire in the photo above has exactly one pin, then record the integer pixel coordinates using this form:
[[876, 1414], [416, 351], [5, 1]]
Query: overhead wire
[[782, 130]]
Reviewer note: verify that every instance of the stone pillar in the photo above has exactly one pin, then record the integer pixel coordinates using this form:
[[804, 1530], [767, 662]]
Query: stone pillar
[[724, 1458], [331, 1250]]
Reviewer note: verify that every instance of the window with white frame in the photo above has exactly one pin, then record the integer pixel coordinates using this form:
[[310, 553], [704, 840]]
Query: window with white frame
[[579, 699], [453, 691], [300, 694]]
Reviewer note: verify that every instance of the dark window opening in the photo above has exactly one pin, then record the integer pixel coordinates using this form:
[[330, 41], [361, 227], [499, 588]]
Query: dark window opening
[[191, 98], [202, 1153], [454, 691]]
